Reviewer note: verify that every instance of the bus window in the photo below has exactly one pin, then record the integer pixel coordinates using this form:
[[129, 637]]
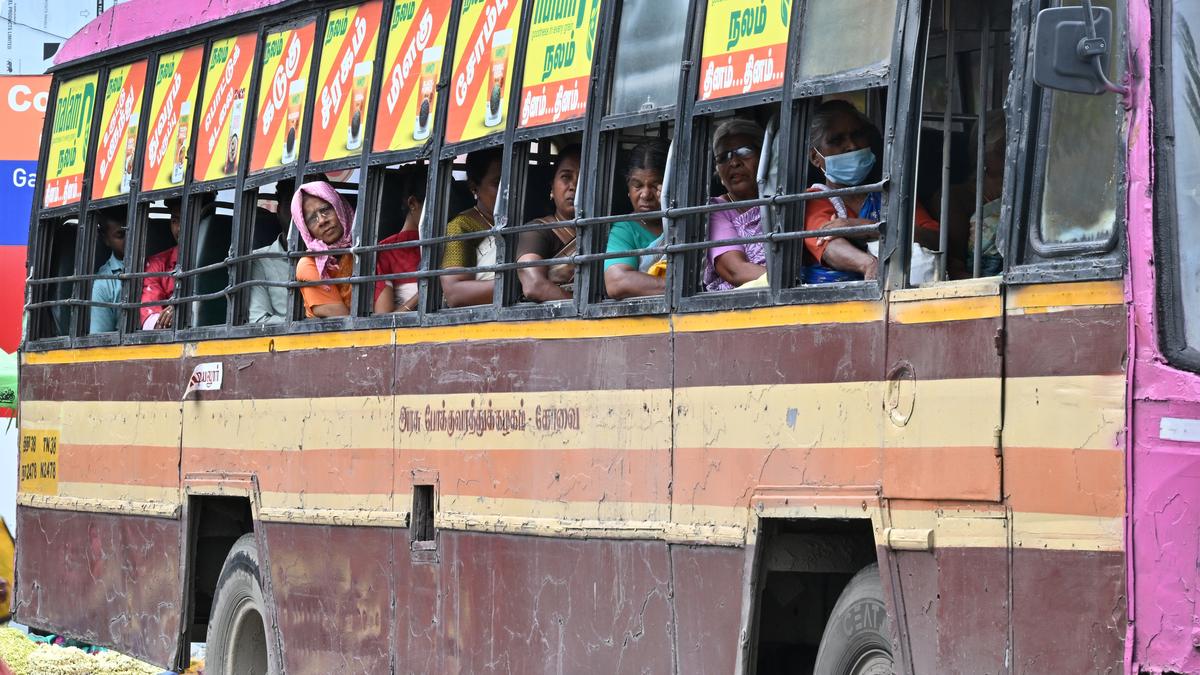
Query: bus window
[[1182, 82], [265, 238], [162, 227], [633, 181], [843, 148], [845, 36], [961, 142], [400, 212], [211, 234], [1076, 203], [55, 245], [546, 176], [728, 160], [649, 47], [107, 260], [470, 187], [325, 221]]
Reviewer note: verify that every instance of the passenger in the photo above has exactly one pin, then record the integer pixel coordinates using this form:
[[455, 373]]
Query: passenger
[[840, 138], [483, 178], [400, 295], [961, 212], [157, 289], [992, 248], [541, 284], [629, 277], [112, 233], [736, 147], [323, 219], [269, 304]]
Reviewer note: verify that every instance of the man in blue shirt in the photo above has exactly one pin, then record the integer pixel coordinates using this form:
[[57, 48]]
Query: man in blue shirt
[[112, 235]]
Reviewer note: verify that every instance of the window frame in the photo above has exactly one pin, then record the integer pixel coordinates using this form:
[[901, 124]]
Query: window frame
[[1029, 260], [1169, 301]]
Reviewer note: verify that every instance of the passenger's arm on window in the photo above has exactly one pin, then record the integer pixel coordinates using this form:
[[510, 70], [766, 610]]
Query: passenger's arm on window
[[536, 284], [464, 290], [842, 255], [330, 309], [622, 281], [736, 268]]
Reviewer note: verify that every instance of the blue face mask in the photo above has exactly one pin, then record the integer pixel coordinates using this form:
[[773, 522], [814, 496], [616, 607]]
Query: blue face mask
[[849, 168]]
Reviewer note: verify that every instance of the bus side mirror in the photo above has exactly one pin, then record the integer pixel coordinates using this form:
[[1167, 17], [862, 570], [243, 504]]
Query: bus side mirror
[[1070, 53]]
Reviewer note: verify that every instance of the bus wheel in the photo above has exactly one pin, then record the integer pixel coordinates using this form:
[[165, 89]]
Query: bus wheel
[[238, 641], [855, 641]]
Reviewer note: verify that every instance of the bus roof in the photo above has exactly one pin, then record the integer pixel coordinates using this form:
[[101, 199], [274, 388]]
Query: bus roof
[[137, 20]]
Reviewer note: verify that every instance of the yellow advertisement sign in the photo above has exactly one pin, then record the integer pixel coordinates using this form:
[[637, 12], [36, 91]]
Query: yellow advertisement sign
[[745, 47], [558, 61], [226, 82], [286, 62], [488, 32], [412, 65], [169, 134], [344, 97], [118, 130], [38, 465], [73, 108]]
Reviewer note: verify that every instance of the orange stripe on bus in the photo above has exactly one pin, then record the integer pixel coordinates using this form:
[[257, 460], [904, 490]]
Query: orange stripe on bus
[[1065, 480]]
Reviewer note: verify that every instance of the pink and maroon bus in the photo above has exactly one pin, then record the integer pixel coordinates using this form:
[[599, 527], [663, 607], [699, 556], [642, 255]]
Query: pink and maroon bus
[[855, 337]]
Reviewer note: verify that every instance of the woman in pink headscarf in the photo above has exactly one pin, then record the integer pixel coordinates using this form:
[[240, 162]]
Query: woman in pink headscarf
[[323, 218]]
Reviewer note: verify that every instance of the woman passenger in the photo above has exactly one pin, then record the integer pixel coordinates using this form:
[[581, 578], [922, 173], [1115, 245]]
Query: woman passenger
[[629, 277], [483, 178], [541, 284], [840, 138], [737, 145], [400, 295], [323, 219]]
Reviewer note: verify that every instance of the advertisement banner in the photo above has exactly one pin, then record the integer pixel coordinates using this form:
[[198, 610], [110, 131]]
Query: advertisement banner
[[118, 130], [176, 83], [73, 108], [558, 61], [412, 65], [745, 47], [483, 49], [344, 97], [226, 83], [286, 62]]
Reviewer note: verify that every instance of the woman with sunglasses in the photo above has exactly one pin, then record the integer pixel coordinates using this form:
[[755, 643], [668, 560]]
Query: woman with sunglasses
[[736, 147]]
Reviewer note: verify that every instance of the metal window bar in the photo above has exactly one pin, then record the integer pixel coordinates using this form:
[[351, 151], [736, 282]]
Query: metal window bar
[[578, 259]]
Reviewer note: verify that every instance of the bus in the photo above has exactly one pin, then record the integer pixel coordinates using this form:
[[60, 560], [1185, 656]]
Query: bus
[[958, 433]]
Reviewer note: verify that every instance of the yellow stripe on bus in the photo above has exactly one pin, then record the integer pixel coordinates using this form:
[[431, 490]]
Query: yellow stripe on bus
[[1043, 297]]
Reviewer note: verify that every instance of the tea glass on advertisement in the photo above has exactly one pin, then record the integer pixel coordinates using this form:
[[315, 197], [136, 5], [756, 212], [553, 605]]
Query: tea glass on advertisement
[[292, 138], [358, 97], [430, 60], [181, 141], [494, 110], [130, 146]]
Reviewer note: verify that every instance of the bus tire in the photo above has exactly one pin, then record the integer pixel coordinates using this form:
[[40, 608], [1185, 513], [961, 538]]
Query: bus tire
[[238, 638], [856, 639]]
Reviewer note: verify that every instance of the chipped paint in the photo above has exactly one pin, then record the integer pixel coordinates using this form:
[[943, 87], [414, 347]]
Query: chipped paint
[[1164, 495]]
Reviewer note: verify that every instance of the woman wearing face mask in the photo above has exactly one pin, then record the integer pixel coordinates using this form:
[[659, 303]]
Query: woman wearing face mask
[[323, 219], [841, 148]]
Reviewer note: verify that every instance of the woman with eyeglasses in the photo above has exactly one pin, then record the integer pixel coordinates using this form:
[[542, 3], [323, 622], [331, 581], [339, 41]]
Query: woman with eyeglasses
[[630, 276], [736, 146], [323, 219]]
